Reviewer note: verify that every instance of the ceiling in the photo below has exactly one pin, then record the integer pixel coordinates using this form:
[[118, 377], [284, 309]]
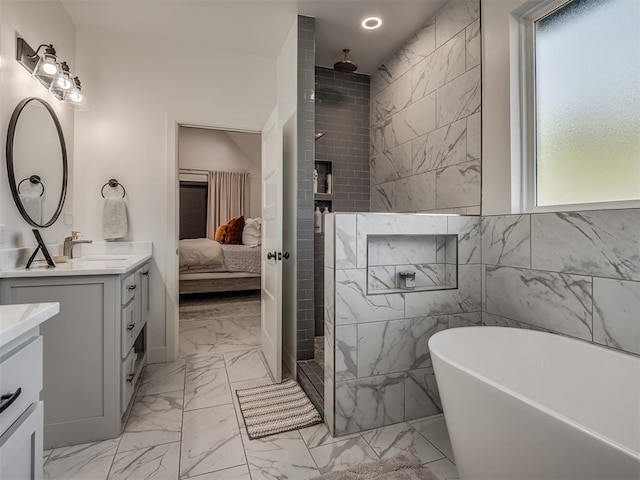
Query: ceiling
[[259, 27]]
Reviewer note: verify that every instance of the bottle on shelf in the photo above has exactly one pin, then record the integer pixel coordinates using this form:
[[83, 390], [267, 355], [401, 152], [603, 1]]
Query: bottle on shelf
[[315, 180], [329, 183], [317, 220]]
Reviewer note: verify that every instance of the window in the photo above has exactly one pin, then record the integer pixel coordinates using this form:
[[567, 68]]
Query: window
[[583, 112]]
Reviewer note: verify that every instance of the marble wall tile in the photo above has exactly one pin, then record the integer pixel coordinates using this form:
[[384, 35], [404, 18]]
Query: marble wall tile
[[474, 137], [466, 298], [458, 98], [422, 398], [441, 148], [616, 314], [396, 346], [558, 302], [459, 185], [391, 164], [410, 194], [401, 249], [345, 241], [329, 240], [346, 352], [391, 100], [442, 66], [354, 306], [600, 243], [465, 320], [329, 399], [453, 17], [469, 239], [382, 277], [427, 275], [474, 43], [506, 240], [373, 224], [490, 320], [366, 403], [417, 119], [329, 295], [418, 47]]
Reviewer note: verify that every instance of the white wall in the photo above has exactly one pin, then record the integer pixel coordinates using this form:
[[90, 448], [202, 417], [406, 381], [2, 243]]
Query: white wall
[[37, 22], [137, 89], [207, 149]]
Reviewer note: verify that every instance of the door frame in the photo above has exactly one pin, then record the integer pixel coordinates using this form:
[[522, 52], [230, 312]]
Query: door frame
[[174, 122]]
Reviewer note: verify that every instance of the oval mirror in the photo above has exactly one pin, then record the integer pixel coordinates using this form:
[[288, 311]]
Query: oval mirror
[[37, 162]]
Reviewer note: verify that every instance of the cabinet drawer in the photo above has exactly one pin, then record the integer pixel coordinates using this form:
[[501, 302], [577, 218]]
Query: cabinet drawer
[[21, 377], [129, 287], [129, 328], [128, 380], [21, 447]]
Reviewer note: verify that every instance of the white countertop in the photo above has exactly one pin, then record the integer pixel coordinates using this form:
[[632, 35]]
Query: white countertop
[[110, 264], [16, 320]]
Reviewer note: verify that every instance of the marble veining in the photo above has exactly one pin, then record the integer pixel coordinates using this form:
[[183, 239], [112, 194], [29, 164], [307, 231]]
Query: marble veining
[[244, 365], [474, 44], [599, 243], [441, 148], [401, 438], [396, 346], [435, 430], [346, 348], [206, 383], [468, 230], [154, 463], [455, 16], [391, 164], [163, 378], [422, 398], [506, 240], [343, 454], [391, 100], [371, 402], [555, 301], [345, 241], [401, 249], [474, 137], [616, 314], [89, 460], [458, 185], [459, 98]]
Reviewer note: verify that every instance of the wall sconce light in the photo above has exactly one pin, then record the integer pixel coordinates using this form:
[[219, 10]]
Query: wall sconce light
[[53, 74]]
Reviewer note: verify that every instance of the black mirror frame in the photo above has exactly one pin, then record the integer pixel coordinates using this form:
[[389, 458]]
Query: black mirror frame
[[11, 172]]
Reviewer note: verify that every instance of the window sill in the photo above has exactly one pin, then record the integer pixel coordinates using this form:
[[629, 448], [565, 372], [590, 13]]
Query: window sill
[[579, 207]]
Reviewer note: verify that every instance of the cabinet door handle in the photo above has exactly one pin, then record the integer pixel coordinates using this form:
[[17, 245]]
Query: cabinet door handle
[[131, 326], [132, 287], [130, 377], [7, 399], [145, 274]]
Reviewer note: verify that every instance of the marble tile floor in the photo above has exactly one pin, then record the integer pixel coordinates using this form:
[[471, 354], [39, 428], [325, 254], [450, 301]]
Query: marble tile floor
[[185, 422]]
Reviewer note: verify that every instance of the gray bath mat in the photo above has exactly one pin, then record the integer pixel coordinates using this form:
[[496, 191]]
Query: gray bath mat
[[400, 467], [276, 408]]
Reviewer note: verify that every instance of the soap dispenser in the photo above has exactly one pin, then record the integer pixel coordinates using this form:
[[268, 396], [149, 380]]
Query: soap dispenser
[[317, 220]]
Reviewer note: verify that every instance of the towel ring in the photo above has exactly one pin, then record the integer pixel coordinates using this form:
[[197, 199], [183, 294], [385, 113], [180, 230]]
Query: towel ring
[[113, 183], [34, 179]]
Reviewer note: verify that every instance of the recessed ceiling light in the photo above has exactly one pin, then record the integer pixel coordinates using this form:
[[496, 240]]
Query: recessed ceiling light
[[371, 23]]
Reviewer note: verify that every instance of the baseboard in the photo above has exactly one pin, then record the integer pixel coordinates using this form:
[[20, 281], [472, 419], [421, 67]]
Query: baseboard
[[157, 355]]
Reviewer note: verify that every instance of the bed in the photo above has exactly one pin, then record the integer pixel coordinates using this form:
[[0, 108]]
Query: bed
[[208, 266]]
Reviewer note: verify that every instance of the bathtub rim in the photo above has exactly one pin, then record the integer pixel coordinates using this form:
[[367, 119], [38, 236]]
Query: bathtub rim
[[434, 350]]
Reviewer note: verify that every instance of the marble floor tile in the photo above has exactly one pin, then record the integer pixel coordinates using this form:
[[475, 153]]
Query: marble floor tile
[[279, 456], [45, 455], [341, 455], [154, 420], [401, 438], [162, 378], [443, 469], [317, 435], [206, 385], [265, 380], [153, 463], [242, 332], [81, 462], [210, 441], [435, 430], [233, 473], [245, 365], [196, 337]]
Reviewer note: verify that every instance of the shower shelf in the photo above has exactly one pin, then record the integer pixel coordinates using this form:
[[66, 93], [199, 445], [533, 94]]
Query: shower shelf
[[323, 196]]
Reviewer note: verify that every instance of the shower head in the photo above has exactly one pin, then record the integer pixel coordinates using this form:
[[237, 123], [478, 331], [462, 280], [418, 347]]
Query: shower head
[[346, 65]]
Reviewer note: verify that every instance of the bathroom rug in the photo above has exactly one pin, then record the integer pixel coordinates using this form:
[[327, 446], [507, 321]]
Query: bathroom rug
[[400, 467]]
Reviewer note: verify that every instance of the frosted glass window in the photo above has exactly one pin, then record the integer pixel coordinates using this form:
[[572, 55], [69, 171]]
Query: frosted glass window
[[587, 98]]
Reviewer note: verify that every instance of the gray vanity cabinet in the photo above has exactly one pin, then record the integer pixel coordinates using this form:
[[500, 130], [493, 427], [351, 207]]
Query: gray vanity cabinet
[[94, 350]]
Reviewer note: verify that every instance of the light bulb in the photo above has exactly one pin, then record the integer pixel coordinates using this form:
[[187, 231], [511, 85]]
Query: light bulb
[[75, 97], [50, 68], [64, 83]]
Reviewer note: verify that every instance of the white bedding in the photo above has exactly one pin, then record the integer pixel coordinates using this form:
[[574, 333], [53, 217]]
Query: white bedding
[[234, 258], [200, 252]]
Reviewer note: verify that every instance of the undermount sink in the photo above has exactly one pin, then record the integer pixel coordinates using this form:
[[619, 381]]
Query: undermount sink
[[104, 258]]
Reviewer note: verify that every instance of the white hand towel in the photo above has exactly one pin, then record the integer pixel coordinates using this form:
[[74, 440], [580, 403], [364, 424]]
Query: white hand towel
[[32, 203], [114, 218]]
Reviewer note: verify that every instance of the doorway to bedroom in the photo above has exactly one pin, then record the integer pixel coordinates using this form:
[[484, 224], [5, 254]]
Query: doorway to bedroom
[[219, 250]]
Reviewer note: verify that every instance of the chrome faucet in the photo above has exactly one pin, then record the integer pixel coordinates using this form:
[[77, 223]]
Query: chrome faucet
[[71, 242]]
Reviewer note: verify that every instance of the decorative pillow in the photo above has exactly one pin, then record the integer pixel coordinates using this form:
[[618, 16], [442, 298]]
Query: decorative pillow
[[234, 231], [220, 233], [252, 233]]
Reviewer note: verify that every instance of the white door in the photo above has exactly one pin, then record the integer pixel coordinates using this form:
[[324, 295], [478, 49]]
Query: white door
[[272, 245]]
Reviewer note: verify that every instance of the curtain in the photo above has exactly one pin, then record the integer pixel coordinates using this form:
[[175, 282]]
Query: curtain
[[228, 198]]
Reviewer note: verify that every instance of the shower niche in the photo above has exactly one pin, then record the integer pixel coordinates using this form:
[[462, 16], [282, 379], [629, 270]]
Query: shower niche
[[411, 263]]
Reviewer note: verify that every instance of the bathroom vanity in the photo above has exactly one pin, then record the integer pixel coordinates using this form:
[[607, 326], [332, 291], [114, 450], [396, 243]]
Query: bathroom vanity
[[20, 385], [95, 349]]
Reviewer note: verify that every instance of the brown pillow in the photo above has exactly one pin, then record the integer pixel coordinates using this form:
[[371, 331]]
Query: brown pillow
[[234, 231], [220, 233]]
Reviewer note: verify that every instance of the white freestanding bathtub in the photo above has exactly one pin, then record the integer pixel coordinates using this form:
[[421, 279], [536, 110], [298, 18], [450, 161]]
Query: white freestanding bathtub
[[521, 404]]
